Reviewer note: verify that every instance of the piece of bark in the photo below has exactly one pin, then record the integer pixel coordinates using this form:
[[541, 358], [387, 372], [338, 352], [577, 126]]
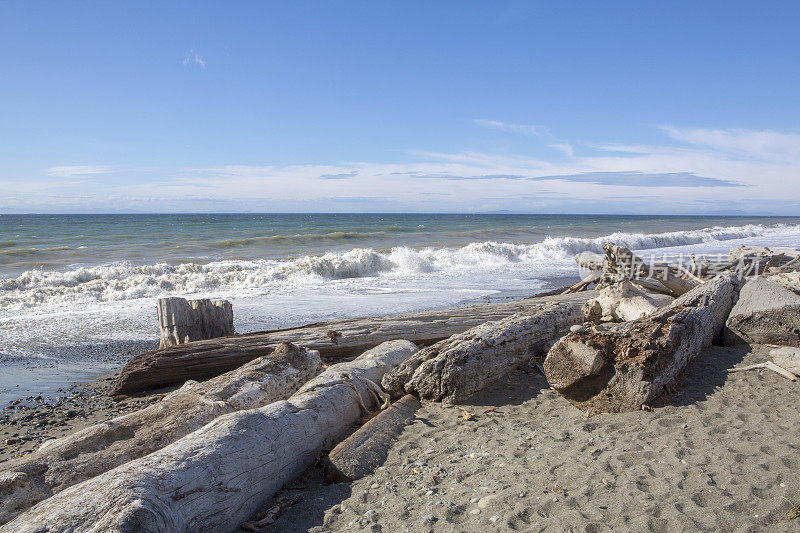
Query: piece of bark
[[205, 359], [453, 369], [766, 313], [631, 363], [181, 321], [788, 358], [61, 463], [366, 449], [623, 302], [217, 477]]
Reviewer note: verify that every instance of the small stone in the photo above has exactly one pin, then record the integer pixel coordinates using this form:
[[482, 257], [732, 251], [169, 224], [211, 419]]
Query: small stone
[[474, 500], [494, 518], [486, 500], [475, 511], [577, 328], [429, 518]]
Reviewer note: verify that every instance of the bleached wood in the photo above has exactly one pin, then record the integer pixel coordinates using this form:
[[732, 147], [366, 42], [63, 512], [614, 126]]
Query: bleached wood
[[453, 369], [788, 358], [629, 364], [205, 359], [216, 477], [61, 463], [622, 301], [769, 365], [181, 321]]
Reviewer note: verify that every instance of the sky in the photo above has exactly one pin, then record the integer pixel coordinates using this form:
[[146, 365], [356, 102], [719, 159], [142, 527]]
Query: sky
[[538, 107]]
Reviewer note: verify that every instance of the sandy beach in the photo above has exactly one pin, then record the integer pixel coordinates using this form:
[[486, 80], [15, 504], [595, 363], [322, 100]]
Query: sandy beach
[[721, 453]]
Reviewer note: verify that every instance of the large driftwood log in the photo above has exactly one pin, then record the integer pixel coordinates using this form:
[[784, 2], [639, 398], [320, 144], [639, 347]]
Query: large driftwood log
[[766, 313], [181, 321], [455, 368], [366, 449], [61, 463], [629, 364], [217, 477], [336, 340], [622, 301]]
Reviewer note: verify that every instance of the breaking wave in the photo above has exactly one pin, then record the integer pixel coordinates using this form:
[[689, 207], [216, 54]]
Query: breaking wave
[[123, 281]]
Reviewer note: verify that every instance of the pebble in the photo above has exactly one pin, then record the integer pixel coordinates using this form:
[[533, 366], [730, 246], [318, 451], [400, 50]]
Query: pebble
[[486, 500], [429, 518], [577, 328], [475, 511], [494, 518]]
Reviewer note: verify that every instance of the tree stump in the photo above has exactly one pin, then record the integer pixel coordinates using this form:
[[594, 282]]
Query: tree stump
[[181, 321]]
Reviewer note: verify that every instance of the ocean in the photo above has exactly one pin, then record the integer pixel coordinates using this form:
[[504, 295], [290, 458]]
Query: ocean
[[77, 292]]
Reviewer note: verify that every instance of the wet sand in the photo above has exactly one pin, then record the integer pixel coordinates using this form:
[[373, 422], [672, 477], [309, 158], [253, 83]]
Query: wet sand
[[720, 453], [26, 423]]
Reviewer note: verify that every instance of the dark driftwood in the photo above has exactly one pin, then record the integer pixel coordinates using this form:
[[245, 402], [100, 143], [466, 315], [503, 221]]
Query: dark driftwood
[[337, 340], [627, 366], [366, 449]]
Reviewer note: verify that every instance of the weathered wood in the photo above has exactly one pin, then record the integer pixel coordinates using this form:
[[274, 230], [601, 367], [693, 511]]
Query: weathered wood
[[623, 264], [630, 364], [455, 368], [769, 365], [366, 449], [788, 358], [181, 321], [216, 477], [61, 463], [205, 359], [622, 302], [766, 313]]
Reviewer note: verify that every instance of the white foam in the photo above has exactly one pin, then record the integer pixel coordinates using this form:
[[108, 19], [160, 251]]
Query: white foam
[[126, 281]]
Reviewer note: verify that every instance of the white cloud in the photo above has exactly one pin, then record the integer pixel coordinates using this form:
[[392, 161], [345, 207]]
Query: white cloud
[[682, 174], [513, 128], [764, 145], [76, 171], [194, 59]]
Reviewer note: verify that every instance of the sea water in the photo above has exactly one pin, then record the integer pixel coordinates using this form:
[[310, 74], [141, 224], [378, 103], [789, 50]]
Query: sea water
[[77, 292]]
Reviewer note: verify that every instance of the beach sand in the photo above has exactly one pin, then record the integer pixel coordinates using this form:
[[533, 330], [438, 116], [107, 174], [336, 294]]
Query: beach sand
[[720, 453]]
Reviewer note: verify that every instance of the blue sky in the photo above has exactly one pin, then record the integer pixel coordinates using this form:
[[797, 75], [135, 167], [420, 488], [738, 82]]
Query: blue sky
[[595, 107]]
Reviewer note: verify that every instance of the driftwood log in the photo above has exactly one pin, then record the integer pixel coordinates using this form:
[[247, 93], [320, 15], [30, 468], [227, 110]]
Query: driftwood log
[[766, 313], [366, 449], [216, 477], [630, 364], [336, 341], [453, 369], [181, 321], [61, 463], [623, 301]]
